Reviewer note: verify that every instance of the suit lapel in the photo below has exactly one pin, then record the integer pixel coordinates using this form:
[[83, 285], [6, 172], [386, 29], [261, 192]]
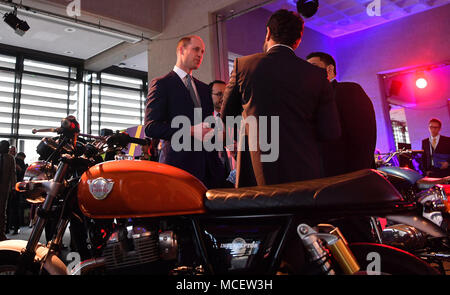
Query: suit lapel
[[182, 87]]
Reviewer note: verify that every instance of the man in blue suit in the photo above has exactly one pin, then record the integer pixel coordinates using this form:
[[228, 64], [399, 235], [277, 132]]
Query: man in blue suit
[[176, 95]]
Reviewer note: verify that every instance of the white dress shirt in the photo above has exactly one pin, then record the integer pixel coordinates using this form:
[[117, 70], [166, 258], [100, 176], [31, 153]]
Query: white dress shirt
[[280, 45], [182, 74]]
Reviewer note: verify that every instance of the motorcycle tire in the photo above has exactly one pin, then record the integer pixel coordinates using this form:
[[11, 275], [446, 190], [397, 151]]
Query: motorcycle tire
[[9, 261], [392, 261]]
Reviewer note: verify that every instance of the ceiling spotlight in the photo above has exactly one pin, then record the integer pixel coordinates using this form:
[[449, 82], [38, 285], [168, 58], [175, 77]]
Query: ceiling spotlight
[[307, 8], [19, 26], [69, 30], [122, 65], [69, 52]]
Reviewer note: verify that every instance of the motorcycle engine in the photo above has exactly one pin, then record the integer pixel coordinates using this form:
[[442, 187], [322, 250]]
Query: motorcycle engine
[[133, 247], [434, 202], [404, 237]]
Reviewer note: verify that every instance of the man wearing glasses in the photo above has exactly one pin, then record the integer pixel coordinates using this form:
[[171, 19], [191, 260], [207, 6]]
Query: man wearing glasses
[[436, 148], [217, 88]]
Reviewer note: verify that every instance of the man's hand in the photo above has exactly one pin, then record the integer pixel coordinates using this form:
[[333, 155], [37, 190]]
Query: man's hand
[[202, 131], [444, 165]]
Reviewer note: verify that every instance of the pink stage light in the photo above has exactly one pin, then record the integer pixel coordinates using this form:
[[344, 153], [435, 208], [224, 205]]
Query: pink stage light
[[421, 83]]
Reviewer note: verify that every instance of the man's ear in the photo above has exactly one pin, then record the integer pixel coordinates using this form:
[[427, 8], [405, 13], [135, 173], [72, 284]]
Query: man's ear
[[180, 50], [330, 70], [268, 34]]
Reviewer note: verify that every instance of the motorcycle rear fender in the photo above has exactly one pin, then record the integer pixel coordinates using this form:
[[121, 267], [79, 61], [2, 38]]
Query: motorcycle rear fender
[[420, 223], [53, 265]]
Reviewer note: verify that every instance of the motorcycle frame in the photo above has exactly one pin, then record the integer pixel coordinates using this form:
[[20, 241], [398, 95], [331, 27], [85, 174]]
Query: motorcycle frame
[[200, 242]]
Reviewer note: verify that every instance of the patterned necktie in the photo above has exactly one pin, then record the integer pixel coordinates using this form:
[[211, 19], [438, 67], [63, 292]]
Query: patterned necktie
[[433, 144], [194, 97]]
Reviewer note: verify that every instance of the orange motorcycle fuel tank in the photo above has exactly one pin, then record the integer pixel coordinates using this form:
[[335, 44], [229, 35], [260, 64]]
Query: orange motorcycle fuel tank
[[137, 189]]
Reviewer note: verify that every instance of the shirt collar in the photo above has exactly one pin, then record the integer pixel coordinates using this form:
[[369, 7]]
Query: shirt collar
[[280, 45], [437, 137], [182, 74]]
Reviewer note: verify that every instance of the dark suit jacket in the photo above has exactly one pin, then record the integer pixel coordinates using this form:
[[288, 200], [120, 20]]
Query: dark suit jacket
[[278, 83], [7, 175], [443, 147], [168, 97], [355, 149]]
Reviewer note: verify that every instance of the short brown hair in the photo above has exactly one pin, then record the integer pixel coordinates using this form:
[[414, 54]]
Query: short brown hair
[[185, 41], [325, 58], [435, 120]]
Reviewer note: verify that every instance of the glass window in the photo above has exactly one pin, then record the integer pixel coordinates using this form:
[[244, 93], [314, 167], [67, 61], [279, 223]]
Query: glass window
[[231, 57], [7, 61], [6, 101], [49, 69], [28, 146], [45, 101], [46, 93], [116, 108]]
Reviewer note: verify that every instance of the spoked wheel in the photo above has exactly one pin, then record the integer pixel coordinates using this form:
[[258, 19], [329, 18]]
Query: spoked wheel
[[7, 270], [9, 261]]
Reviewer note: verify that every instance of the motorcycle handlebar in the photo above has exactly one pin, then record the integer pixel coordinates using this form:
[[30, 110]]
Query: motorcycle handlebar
[[123, 139], [34, 131], [138, 141]]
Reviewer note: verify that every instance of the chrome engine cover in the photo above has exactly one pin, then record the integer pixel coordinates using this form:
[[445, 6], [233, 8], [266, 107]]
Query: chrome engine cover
[[131, 246], [403, 236]]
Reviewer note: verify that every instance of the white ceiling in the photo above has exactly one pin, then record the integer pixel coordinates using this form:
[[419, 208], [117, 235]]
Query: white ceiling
[[49, 36], [336, 18], [138, 62]]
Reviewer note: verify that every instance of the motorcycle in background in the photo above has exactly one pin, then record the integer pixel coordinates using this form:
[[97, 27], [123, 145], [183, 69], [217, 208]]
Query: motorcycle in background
[[131, 216], [431, 196]]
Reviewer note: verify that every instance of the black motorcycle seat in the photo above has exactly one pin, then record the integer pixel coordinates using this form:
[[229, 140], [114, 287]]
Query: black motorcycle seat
[[429, 182], [360, 189]]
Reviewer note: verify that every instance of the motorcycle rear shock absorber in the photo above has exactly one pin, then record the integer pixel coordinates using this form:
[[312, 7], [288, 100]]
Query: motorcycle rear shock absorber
[[317, 245]]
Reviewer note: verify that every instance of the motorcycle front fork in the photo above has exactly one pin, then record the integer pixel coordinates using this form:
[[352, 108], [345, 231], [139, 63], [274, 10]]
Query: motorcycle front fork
[[53, 188]]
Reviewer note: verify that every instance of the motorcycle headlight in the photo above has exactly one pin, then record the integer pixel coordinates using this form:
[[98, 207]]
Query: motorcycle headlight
[[34, 175], [40, 170]]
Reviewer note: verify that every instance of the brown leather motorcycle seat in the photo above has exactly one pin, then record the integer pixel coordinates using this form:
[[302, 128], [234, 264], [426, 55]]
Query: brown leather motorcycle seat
[[361, 189], [429, 182]]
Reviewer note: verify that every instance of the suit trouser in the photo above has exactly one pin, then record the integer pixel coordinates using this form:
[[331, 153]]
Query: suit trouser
[[13, 209], [3, 204]]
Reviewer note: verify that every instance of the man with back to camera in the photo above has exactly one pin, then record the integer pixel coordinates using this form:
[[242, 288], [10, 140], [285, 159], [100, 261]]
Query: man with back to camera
[[436, 151], [278, 83], [177, 94], [355, 149]]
